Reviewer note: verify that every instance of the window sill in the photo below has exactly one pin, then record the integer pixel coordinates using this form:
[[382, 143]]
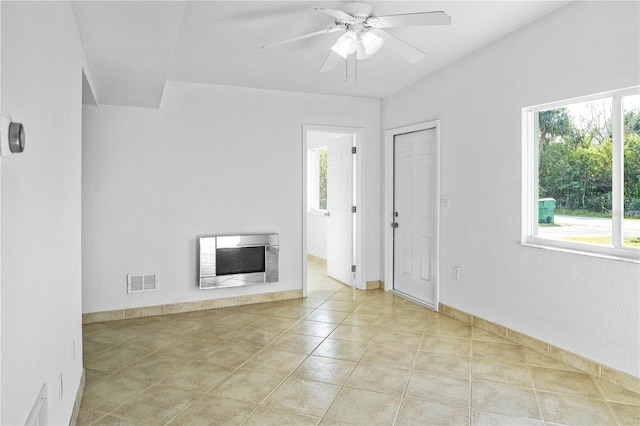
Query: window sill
[[317, 212], [632, 256]]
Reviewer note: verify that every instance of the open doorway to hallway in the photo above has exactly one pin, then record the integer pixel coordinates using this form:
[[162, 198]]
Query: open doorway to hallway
[[330, 212]]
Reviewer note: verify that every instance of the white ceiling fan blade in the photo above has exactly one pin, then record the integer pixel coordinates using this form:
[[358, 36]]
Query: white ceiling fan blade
[[302, 37], [332, 61], [400, 47], [338, 14], [411, 20]]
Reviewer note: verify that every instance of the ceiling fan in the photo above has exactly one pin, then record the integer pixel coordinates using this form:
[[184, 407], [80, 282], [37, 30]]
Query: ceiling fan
[[364, 33]]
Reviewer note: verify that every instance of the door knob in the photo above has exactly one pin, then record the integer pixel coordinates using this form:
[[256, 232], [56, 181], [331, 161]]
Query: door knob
[[394, 225]]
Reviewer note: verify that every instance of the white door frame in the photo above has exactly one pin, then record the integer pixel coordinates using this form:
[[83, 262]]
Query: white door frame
[[389, 197], [358, 133]]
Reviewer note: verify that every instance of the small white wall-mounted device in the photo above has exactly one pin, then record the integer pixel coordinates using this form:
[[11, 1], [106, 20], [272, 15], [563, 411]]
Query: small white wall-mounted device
[[12, 137]]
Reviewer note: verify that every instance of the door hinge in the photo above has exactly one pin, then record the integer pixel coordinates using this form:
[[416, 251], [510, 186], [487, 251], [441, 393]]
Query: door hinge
[[353, 149], [353, 209], [353, 268]]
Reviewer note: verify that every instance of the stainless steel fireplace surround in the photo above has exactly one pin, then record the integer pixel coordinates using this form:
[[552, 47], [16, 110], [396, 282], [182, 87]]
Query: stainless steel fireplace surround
[[236, 260]]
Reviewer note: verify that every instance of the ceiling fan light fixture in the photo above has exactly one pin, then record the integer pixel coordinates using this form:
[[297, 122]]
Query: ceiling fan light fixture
[[346, 44], [371, 43]]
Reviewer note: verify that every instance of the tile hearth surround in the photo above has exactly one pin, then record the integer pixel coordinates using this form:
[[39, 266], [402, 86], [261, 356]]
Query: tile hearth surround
[[336, 357]]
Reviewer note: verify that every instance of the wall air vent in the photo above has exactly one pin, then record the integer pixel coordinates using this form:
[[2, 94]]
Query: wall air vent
[[137, 283]]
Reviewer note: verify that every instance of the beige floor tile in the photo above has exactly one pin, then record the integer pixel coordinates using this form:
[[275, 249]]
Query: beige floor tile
[[153, 368], [230, 355], [321, 293], [626, 414], [391, 356], [540, 360], [253, 337], [272, 361], [209, 410], [487, 369], [313, 328], [441, 389], [479, 334], [617, 393], [91, 349], [272, 416], [446, 345], [277, 324], [151, 341], [367, 307], [185, 327], [215, 333], [354, 333], [298, 343], [570, 409], [240, 319], [156, 405], [91, 377], [379, 378], [361, 407], [338, 305], [197, 376], [398, 338], [111, 420], [412, 311], [108, 336], [303, 396], [291, 312], [569, 382], [247, 385], [325, 315], [498, 352], [421, 412], [87, 416], [341, 349], [441, 364], [451, 329], [186, 349], [113, 391], [488, 419], [327, 370], [353, 296], [405, 324], [114, 359], [364, 320], [504, 399]]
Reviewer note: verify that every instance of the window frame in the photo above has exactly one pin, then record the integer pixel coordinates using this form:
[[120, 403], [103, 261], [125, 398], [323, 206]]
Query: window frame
[[313, 191], [530, 161]]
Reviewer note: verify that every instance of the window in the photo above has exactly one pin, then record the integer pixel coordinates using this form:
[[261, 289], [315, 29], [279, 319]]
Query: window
[[317, 180], [583, 174]]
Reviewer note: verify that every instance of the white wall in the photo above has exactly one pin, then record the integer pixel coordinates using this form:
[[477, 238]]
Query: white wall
[[586, 305], [40, 216], [211, 160]]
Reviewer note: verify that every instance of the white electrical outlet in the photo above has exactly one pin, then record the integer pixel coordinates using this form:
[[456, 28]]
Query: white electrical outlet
[[444, 201], [456, 272]]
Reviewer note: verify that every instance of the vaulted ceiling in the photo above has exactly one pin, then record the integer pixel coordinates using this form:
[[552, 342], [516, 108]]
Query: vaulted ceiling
[[133, 47]]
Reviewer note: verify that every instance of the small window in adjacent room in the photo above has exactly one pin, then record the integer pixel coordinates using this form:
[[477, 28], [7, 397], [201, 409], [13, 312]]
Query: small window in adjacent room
[[317, 180], [583, 174]]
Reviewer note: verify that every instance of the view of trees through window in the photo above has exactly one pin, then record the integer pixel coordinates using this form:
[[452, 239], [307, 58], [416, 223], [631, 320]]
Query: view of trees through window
[[575, 172], [322, 179]]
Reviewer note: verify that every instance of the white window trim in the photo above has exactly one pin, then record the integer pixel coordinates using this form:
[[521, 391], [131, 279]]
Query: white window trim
[[314, 189], [530, 182]]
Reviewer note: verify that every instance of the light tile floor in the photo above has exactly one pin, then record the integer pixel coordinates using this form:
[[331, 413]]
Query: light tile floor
[[337, 357]]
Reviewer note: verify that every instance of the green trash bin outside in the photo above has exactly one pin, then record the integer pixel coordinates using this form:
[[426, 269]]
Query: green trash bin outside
[[546, 210]]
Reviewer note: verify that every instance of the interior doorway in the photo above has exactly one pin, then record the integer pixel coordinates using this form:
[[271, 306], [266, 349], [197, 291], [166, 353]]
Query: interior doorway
[[331, 223], [412, 211]]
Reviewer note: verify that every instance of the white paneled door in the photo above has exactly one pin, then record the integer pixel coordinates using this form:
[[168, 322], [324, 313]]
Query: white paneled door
[[339, 203], [414, 211]]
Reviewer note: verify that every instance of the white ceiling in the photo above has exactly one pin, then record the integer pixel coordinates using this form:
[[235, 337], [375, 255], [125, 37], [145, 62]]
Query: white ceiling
[[132, 48]]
